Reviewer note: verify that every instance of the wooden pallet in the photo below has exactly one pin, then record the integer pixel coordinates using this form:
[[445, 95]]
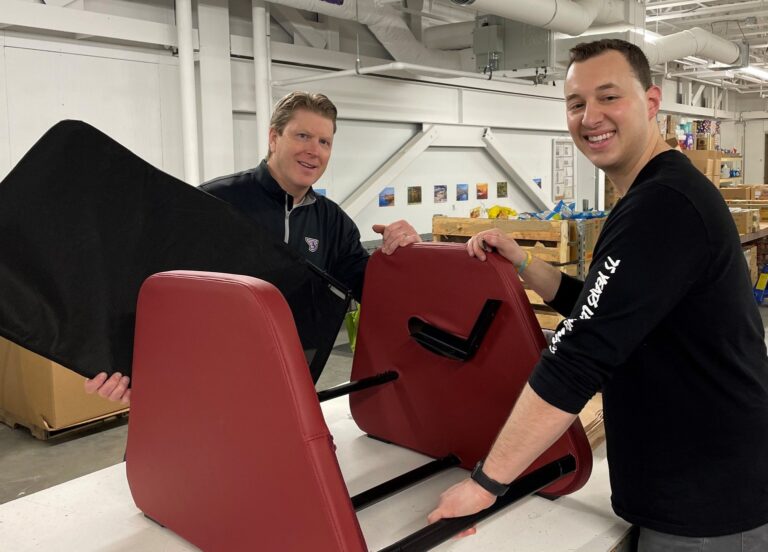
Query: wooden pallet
[[44, 432], [555, 241]]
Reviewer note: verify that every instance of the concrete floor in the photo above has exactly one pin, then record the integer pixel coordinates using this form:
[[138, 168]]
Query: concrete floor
[[28, 465]]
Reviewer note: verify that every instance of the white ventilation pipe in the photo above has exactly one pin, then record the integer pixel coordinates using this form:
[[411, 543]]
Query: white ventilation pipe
[[692, 42], [188, 94], [563, 16], [387, 26], [262, 85]]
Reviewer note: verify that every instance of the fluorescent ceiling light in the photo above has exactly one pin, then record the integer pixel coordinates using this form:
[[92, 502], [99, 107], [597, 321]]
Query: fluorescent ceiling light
[[756, 72]]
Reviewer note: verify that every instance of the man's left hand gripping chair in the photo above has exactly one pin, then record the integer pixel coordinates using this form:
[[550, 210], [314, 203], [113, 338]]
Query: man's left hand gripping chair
[[227, 444]]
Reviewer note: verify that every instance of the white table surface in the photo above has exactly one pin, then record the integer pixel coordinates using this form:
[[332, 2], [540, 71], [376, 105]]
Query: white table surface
[[96, 512]]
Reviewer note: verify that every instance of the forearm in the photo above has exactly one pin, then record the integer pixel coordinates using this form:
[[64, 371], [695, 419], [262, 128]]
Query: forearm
[[530, 429], [543, 278]]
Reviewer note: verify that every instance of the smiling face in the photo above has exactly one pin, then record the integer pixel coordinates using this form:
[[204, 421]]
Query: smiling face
[[299, 156], [610, 117]]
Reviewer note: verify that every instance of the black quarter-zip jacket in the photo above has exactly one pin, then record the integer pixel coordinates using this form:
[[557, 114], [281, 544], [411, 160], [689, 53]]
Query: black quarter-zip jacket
[[318, 229]]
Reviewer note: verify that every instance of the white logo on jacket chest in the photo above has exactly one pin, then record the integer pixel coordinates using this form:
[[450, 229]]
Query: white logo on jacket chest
[[313, 243]]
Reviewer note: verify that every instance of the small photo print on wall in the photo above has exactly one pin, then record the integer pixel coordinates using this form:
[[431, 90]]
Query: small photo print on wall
[[462, 192], [482, 191], [501, 190], [414, 195], [387, 197], [441, 193], [321, 191]]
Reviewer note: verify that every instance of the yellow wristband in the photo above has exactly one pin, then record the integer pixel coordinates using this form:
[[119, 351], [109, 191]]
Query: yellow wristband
[[526, 262]]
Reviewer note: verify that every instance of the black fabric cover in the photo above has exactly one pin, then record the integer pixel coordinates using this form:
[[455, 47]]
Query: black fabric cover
[[83, 222]]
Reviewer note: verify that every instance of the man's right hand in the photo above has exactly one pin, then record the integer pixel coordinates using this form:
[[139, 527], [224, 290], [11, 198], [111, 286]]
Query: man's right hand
[[482, 242], [114, 387]]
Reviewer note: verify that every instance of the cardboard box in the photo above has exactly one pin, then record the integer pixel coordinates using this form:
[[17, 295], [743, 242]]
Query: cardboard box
[[747, 220], [44, 396], [738, 192], [750, 255], [760, 191], [707, 161]]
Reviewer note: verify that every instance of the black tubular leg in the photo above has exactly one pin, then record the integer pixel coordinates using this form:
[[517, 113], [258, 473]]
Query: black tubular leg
[[401, 482], [352, 386], [441, 531]]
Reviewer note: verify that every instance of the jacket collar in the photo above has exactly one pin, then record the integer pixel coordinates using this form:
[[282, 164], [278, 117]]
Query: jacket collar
[[274, 190]]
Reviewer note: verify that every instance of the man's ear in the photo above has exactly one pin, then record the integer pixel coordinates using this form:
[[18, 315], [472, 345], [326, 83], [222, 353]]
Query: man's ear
[[653, 97], [273, 134]]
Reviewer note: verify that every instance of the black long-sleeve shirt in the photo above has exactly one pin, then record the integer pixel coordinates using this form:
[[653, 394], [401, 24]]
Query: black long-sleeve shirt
[[318, 229], [666, 325]]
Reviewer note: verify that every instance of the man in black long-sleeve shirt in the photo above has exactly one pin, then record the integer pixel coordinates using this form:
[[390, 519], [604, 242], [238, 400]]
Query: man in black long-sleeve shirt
[[665, 324]]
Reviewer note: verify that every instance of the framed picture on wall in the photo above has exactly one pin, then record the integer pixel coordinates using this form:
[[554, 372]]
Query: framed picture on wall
[[441, 193], [501, 190], [462, 192], [482, 191], [414, 195], [387, 197]]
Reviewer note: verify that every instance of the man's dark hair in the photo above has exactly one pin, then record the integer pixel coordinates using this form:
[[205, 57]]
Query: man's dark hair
[[634, 56]]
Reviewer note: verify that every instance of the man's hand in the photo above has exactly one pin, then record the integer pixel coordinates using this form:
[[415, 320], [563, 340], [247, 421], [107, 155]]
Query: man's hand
[[481, 243], [397, 234], [114, 388], [463, 499]]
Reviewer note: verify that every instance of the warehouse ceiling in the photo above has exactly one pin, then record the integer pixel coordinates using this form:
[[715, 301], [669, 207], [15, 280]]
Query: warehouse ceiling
[[734, 20]]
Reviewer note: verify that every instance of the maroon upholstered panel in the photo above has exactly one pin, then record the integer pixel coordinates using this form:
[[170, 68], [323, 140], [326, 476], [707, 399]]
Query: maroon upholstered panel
[[227, 445], [438, 405]]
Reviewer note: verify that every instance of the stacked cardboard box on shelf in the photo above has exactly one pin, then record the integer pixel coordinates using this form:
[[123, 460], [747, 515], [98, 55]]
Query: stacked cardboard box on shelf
[[750, 255], [553, 241], [611, 195], [708, 162], [747, 220], [45, 397], [738, 192]]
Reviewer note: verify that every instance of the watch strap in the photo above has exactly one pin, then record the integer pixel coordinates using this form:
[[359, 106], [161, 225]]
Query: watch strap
[[490, 485]]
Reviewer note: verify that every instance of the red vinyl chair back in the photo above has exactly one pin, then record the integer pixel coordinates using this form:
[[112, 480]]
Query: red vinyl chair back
[[440, 406], [227, 445]]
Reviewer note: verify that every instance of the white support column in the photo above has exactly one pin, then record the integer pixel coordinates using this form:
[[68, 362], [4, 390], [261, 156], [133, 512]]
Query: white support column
[[396, 164], [188, 94], [534, 194], [262, 83], [5, 134], [217, 140]]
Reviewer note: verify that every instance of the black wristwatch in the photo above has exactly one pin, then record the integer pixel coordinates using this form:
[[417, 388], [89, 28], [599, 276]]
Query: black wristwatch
[[490, 485]]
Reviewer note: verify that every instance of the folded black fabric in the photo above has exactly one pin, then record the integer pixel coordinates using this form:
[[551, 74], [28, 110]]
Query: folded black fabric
[[83, 222]]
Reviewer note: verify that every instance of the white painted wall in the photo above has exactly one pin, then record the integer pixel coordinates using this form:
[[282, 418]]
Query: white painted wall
[[130, 96]]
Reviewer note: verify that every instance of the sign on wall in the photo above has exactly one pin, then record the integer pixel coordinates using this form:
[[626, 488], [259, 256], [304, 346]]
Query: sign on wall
[[563, 169]]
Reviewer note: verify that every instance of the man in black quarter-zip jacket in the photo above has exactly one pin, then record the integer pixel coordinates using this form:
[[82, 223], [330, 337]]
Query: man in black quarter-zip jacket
[[278, 195], [665, 324]]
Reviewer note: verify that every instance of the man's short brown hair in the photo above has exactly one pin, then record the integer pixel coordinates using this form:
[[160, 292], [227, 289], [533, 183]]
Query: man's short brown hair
[[634, 56], [316, 103]]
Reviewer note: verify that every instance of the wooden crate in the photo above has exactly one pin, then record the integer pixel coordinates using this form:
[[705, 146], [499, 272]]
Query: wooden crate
[[747, 220], [556, 242]]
